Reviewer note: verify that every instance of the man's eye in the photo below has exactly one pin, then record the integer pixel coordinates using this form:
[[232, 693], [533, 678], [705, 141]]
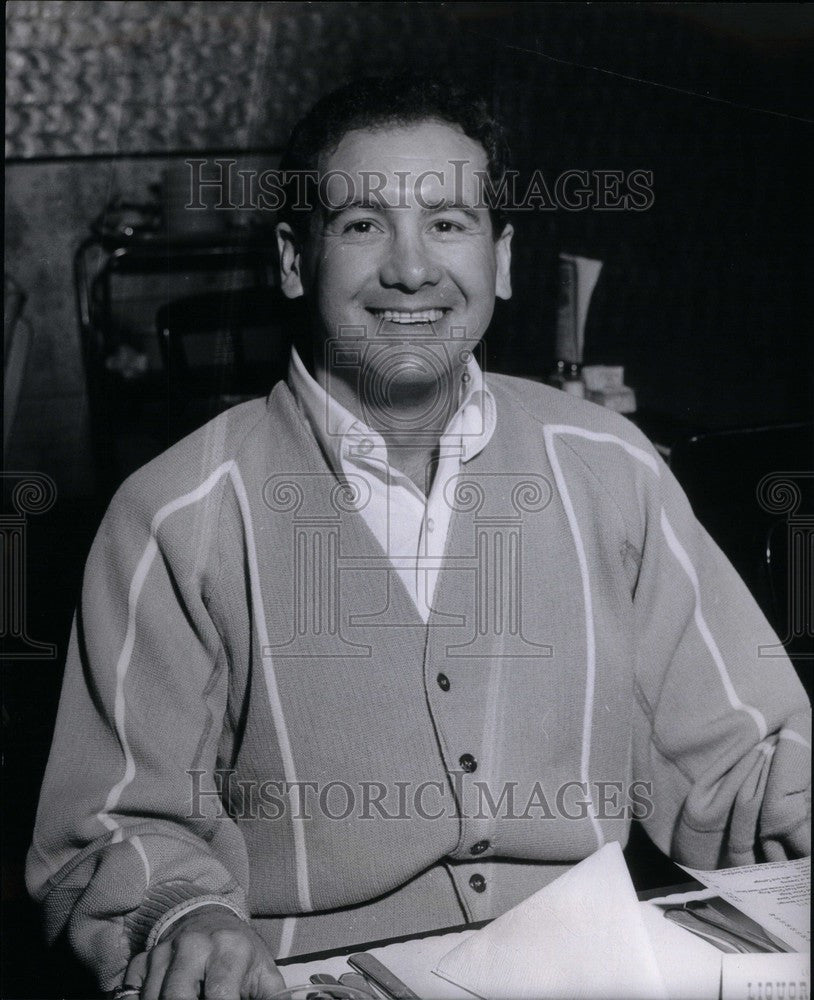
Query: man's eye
[[447, 226], [361, 227]]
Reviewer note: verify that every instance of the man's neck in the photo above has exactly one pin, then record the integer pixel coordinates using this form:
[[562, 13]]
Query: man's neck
[[418, 464], [410, 421]]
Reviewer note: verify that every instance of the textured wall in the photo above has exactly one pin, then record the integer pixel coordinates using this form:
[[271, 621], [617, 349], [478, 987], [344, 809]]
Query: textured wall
[[113, 77]]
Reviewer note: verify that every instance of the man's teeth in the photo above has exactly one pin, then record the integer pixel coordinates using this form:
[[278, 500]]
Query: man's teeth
[[422, 316]]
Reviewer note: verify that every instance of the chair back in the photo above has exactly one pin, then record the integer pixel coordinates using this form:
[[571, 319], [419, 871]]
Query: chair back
[[232, 344], [721, 472]]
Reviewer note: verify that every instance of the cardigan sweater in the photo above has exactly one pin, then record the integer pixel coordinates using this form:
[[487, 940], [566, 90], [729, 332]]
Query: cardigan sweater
[[254, 713]]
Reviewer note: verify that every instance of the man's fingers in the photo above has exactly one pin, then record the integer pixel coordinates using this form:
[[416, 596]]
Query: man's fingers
[[186, 968], [232, 971], [214, 957], [158, 960], [229, 962], [266, 982], [136, 971], [181, 982]]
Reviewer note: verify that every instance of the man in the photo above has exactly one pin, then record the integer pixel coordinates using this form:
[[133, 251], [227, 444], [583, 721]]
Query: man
[[443, 635]]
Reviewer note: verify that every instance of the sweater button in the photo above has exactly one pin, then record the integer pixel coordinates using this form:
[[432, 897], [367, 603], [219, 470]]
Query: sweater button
[[468, 763], [479, 847], [443, 682], [477, 882]]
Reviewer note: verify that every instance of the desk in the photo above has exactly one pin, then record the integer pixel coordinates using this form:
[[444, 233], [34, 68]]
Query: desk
[[690, 967]]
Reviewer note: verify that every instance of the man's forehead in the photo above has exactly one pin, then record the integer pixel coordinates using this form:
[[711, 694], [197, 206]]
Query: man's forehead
[[435, 157]]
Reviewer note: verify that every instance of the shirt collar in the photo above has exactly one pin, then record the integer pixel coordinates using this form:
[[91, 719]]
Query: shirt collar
[[335, 427]]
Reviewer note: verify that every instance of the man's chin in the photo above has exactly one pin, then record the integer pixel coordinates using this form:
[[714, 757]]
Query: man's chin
[[407, 375], [408, 397]]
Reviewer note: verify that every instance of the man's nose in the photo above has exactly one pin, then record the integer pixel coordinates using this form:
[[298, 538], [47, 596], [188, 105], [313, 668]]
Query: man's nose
[[409, 264]]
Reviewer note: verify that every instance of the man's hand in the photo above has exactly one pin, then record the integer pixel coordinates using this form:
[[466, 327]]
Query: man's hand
[[210, 953]]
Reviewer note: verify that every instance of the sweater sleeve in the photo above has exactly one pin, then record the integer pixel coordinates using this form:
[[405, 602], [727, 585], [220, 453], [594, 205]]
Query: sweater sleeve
[[121, 843], [723, 723]]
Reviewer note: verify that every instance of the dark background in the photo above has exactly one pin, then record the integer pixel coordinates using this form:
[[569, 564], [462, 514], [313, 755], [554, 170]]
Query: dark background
[[703, 297]]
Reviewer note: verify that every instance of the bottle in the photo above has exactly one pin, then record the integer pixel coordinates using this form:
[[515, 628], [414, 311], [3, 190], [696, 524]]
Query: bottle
[[568, 376], [578, 277]]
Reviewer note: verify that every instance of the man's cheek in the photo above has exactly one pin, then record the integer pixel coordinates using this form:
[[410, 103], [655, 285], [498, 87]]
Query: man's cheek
[[341, 262], [473, 261]]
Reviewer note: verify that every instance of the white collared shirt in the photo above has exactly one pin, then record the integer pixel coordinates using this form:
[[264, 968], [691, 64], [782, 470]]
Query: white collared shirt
[[410, 528]]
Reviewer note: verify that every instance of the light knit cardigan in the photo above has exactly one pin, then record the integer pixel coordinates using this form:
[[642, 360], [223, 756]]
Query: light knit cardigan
[[600, 659]]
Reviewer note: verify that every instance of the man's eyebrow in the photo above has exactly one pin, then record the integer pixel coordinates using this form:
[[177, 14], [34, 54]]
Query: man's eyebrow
[[445, 205], [332, 212]]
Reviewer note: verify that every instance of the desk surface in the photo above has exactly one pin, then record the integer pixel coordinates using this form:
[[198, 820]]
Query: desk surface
[[343, 952], [690, 967]]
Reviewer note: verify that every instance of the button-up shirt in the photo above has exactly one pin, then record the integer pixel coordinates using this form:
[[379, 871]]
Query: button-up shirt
[[411, 528]]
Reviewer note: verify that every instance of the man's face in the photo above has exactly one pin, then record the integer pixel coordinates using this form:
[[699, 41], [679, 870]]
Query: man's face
[[409, 259]]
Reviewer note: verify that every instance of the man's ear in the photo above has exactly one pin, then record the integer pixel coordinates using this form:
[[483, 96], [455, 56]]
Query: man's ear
[[288, 247], [503, 253]]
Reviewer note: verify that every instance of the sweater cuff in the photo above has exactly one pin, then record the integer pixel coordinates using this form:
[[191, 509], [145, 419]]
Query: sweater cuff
[[165, 899], [182, 909]]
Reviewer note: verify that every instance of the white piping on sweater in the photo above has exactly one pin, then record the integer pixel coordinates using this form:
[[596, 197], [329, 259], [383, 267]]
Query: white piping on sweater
[[792, 737], [300, 858], [136, 842], [590, 639], [125, 657], [703, 628], [549, 433], [286, 937], [639, 453], [122, 665]]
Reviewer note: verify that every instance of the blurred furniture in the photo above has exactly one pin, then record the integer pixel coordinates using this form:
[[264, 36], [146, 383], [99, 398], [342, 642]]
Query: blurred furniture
[[220, 349], [665, 431], [108, 254], [128, 268], [753, 490], [16, 342]]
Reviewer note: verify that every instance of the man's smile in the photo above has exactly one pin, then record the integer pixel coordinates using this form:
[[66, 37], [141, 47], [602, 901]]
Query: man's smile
[[409, 317]]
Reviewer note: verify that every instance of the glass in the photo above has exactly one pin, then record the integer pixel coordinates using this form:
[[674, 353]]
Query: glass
[[334, 990]]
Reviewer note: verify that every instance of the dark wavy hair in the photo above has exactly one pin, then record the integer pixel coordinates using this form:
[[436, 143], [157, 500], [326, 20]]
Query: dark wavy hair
[[378, 102]]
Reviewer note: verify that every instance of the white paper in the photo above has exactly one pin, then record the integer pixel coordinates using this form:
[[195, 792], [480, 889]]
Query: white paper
[[583, 936], [766, 977], [690, 968], [777, 895]]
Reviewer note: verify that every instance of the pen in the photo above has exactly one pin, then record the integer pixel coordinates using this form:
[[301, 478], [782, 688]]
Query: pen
[[373, 969], [357, 982]]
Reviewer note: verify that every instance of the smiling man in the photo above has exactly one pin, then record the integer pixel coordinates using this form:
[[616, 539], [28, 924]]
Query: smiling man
[[395, 647], [410, 266]]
